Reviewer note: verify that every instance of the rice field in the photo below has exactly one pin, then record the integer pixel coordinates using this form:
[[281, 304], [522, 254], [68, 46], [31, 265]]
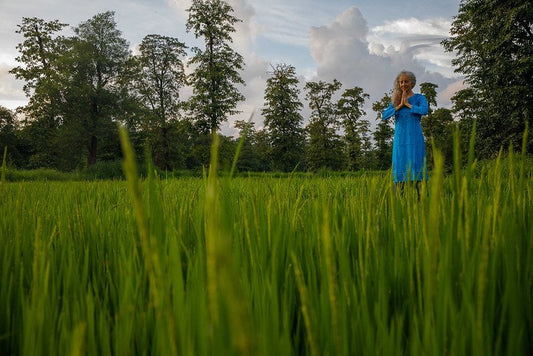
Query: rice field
[[269, 266]]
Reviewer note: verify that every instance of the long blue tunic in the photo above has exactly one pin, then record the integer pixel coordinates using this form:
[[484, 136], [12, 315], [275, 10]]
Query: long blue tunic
[[408, 148]]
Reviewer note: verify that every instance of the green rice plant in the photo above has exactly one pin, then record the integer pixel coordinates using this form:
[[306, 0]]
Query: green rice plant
[[266, 265]]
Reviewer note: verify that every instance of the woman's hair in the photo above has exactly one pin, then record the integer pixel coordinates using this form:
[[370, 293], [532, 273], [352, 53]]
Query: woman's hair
[[397, 92]]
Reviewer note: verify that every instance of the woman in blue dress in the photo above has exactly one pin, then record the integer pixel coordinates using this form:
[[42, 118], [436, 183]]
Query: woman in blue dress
[[408, 148]]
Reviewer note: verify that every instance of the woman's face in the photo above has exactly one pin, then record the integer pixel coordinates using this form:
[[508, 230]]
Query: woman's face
[[405, 83]]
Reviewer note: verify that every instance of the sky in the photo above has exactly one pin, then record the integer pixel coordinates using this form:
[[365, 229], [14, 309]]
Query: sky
[[358, 42]]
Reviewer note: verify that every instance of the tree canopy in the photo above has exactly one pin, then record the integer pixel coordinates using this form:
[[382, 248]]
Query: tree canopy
[[216, 67], [81, 86], [493, 42]]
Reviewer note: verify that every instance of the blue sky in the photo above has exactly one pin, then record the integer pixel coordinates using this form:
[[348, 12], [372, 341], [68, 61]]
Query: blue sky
[[361, 43]]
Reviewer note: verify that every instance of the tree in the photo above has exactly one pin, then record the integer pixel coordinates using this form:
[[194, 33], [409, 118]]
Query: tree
[[466, 108], [8, 136], [40, 70], [98, 53], [430, 124], [216, 68], [383, 135], [324, 145], [430, 92], [248, 160], [262, 149], [356, 130], [442, 138], [493, 42], [156, 76], [283, 119]]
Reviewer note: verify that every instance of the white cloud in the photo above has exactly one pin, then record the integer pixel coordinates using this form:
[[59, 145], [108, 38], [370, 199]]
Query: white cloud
[[444, 96], [347, 50], [420, 37], [11, 93], [344, 47], [413, 26]]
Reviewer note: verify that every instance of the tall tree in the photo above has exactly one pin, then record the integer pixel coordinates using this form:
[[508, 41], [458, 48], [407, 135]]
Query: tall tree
[[215, 68], [442, 138], [383, 135], [430, 92], [247, 160], [93, 65], [430, 124], [324, 145], [493, 42], [283, 119], [8, 136], [157, 75], [356, 130], [39, 69], [466, 108]]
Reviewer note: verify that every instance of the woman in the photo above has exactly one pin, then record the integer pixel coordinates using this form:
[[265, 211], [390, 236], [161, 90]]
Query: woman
[[408, 148]]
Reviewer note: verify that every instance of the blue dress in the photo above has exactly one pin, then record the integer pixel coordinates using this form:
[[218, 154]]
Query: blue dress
[[408, 148]]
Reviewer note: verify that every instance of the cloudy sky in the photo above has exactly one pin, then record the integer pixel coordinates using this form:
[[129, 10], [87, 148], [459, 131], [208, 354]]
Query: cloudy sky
[[359, 42]]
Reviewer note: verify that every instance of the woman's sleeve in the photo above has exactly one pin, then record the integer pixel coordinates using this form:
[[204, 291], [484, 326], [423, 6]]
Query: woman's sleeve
[[422, 107], [388, 112]]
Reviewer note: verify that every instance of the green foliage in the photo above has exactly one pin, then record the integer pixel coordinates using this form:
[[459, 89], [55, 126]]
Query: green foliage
[[92, 65], [8, 136], [266, 265], [283, 119], [438, 129], [324, 148], [154, 78], [356, 129], [41, 174], [71, 83], [383, 135], [216, 68], [104, 170], [248, 159], [41, 68], [430, 92], [494, 45], [80, 87]]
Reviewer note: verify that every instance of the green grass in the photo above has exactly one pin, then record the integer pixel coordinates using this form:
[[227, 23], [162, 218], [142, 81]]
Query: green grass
[[258, 265]]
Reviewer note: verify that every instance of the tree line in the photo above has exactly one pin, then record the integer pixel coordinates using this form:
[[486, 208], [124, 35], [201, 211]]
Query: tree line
[[80, 87]]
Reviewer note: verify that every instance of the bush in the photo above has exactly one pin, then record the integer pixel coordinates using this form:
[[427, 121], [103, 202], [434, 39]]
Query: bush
[[104, 170], [41, 174]]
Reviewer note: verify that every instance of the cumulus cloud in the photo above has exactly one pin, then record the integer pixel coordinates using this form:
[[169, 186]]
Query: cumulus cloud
[[422, 38], [346, 49]]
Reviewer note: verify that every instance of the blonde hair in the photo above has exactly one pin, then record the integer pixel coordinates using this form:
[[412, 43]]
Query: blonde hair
[[397, 92]]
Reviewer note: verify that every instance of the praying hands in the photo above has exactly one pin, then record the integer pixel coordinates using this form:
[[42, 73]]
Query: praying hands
[[404, 101]]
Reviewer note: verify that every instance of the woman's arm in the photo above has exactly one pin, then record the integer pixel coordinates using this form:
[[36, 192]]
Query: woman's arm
[[421, 107], [388, 112]]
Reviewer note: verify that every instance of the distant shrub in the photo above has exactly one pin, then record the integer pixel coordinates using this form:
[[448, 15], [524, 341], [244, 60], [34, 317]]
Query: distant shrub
[[505, 164], [40, 174], [104, 170]]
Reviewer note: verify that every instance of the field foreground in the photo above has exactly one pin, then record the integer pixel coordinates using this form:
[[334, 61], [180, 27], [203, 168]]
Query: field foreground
[[268, 266]]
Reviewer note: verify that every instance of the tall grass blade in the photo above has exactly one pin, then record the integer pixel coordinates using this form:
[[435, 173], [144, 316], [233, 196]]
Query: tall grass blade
[[305, 306], [471, 152], [212, 227], [239, 146], [4, 166], [148, 244]]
